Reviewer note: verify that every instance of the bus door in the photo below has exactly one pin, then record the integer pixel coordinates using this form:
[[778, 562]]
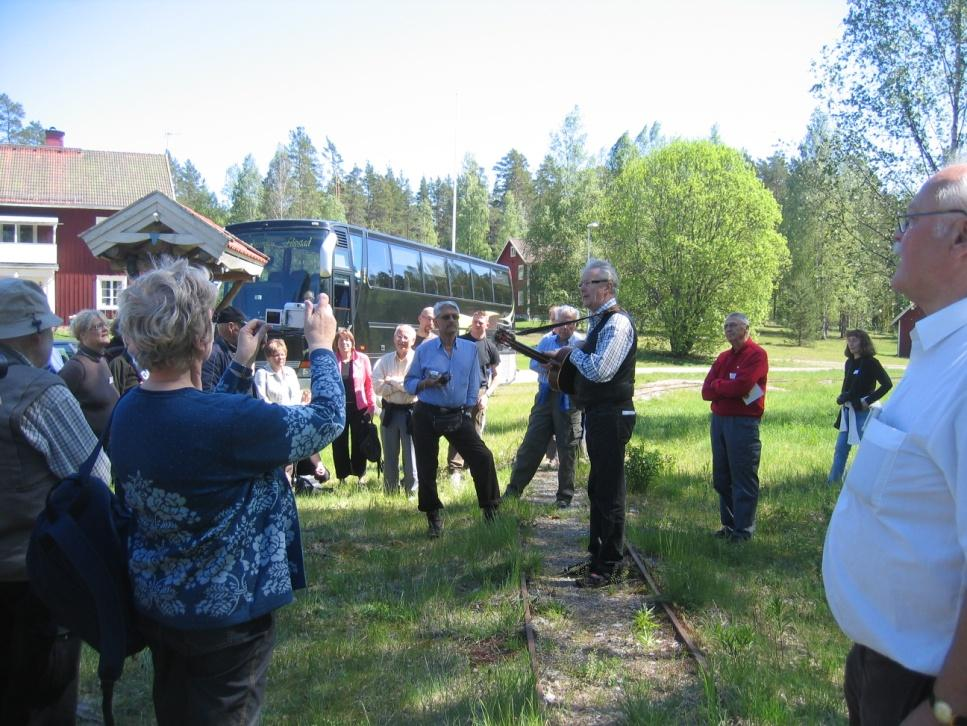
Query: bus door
[[341, 288]]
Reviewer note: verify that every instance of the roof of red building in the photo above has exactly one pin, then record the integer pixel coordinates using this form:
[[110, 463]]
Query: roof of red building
[[522, 249], [54, 176]]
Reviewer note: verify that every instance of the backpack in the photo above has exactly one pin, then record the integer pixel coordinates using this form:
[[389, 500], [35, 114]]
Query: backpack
[[77, 562]]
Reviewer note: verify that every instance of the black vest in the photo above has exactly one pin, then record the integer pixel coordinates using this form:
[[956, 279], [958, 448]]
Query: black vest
[[619, 389]]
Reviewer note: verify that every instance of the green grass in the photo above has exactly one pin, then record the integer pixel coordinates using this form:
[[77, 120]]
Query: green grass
[[396, 628]]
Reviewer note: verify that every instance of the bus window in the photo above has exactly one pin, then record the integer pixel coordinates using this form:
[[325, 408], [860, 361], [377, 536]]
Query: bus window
[[406, 269], [356, 240], [483, 288], [435, 275], [460, 279], [342, 298], [341, 259], [502, 291], [380, 269]]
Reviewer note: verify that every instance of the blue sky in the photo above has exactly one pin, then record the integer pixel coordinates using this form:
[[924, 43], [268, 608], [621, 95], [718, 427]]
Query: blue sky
[[411, 85]]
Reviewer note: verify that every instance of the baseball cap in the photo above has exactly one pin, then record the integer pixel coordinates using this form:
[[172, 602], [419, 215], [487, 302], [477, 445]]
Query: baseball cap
[[24, 308], [230, 314]]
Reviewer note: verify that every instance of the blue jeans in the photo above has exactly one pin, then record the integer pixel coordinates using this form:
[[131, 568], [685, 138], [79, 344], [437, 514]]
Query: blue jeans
[[735, 469], [841, 453]]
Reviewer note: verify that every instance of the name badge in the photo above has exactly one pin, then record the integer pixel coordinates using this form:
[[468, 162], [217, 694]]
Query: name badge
[[731, 376]]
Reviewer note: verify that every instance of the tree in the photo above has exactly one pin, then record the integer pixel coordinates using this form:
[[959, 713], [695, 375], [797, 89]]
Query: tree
[[567, 198], [309, 199], [623, 151], [895, 83], [277, 193], [473, 214], [12, 130], [441, 199], [425, 224], [512, 174], [511, 224], [243, 188], [192, 191], [695, 233]]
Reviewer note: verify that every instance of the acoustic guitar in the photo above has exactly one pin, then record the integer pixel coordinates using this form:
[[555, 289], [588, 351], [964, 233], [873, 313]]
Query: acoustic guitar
[[561, 372]]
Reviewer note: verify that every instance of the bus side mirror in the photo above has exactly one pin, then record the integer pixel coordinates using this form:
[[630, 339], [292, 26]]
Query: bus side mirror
[[326, 255]]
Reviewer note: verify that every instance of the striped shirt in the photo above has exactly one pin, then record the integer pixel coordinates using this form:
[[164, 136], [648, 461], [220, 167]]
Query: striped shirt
[[614, 342]]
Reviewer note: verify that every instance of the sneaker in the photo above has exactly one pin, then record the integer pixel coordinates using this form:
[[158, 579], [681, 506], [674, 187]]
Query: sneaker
[[739, 535], [562, 504], [724, 533], [434, 524]]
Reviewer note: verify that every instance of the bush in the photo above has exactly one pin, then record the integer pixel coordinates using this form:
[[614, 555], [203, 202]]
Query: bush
[[643, 466]]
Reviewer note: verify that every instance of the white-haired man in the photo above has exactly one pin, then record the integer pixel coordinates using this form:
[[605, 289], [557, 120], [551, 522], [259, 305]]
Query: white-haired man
[[553, 417], [895, 559], [43, 439], [397, 406]]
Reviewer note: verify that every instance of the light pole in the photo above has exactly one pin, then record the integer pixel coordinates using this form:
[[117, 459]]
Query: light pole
[[592, 225]]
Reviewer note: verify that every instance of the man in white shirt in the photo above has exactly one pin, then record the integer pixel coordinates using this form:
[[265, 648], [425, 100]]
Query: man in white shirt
[[397, 406], [895, 559]]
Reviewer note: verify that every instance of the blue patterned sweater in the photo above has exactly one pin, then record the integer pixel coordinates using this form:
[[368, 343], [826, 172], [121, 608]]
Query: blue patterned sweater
[[217, 538]]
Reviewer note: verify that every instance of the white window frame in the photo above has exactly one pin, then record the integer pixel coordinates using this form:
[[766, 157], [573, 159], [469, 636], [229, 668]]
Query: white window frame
[[520, 298], [32, 222], [513, 251], [99, 290], [520, 272]]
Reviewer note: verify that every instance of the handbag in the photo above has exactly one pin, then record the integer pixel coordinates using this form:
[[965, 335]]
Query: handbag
[[369, 443], [447, 423]]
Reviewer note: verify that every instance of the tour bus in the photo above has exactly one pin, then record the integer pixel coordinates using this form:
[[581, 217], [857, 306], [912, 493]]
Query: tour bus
[[374, 281]]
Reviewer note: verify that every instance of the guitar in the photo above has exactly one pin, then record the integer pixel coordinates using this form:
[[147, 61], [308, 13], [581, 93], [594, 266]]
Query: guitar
[[561, 372]]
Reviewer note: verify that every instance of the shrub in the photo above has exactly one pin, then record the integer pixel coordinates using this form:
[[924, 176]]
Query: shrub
[[643, 466]]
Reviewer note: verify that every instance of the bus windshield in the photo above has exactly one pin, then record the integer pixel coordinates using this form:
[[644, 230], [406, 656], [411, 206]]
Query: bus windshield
[[292, 273]]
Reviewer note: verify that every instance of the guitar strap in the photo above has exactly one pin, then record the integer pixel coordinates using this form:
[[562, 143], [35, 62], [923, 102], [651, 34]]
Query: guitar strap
[[551, 326]]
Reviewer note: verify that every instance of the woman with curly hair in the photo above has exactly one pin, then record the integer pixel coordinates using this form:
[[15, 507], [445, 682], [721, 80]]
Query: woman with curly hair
[[864, 381], [216, 547]]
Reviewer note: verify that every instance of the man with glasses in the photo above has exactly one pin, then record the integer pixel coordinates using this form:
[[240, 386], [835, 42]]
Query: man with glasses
[[604, 387], [445, 378], [895, 558], [736, 386], [553, 415]]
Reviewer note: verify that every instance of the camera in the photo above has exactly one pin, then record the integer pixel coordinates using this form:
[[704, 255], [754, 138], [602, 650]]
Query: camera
[[291, 317]]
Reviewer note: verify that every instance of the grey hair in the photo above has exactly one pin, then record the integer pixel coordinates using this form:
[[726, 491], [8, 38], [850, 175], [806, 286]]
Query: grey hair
[[408, 329], [738, 316], [166, 311], [952, 193], [445, 304], [83, 321], [606, 268], [569, 311]]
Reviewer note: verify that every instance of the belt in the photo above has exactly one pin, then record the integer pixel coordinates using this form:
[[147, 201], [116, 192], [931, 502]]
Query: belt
[[387, 406], [439, 409]]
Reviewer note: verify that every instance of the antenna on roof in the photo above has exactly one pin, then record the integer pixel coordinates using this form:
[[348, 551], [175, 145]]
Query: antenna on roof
[[168, 135]]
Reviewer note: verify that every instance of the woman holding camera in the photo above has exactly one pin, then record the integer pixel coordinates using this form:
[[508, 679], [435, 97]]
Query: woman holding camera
[[357, 379], [862, 374], [216, 547]]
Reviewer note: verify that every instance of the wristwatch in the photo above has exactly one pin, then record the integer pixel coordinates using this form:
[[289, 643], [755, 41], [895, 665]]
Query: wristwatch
[[944, 713]]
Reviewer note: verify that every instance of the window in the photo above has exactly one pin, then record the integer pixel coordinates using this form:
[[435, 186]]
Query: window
[[483, 288], [520, 272], [356, 239], [108, 291], [513, 252], [435, 275], [502, 292], [520, 298], [28, 230], [460, 279], [406, 269], [380, 267]]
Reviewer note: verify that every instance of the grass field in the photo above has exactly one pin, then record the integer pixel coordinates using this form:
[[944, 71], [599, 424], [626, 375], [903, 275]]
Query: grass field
[[395, 628]]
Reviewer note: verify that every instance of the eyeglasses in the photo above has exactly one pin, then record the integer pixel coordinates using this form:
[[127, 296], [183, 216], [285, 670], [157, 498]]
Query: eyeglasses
[[585, 283], [454, 316], [905, 220]]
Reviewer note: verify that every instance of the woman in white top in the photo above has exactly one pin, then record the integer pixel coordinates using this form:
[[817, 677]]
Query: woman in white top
[[278, 383]]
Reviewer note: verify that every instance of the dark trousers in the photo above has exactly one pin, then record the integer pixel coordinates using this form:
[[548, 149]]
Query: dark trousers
[[546, 422], [38, 667], [212, 676], [471, 447], [608, 431], [880, 691], [346, 454], [735, 469]]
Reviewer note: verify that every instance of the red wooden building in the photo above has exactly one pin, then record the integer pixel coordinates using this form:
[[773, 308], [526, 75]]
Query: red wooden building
[[49, 195], [904, 323], [519, 259]]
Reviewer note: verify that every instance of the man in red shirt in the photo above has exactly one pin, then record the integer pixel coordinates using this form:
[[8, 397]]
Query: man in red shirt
[[736, 386]]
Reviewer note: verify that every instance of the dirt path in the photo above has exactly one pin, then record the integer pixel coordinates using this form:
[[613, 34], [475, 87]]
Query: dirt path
[[590, 659]]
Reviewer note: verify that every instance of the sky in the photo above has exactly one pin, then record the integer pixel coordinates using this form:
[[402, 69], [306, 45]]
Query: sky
[[412, 85]]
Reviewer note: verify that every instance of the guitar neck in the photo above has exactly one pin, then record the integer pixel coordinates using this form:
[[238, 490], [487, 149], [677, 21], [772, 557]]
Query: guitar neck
[[528, 351]]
